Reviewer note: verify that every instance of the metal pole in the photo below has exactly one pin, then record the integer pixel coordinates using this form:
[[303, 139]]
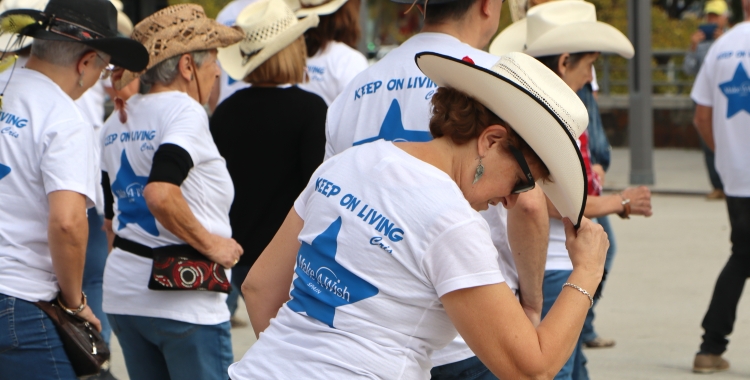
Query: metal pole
[[363, 21], [640, 116]]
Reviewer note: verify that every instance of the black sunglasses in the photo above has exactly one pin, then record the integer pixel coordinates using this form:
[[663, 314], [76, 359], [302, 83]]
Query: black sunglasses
[[522, 187]]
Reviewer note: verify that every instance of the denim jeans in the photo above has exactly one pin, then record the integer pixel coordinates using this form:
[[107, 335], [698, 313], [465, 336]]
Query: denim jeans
[[468, 369], [30, 347], [722, 312], [552, 287], [93, 271], [588, 334], [162, 349], [239, 273]]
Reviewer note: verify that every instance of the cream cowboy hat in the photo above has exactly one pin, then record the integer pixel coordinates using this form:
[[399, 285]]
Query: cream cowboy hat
[[269, 27], [303, 8], [564, 26], [538, 105], [14, 42]]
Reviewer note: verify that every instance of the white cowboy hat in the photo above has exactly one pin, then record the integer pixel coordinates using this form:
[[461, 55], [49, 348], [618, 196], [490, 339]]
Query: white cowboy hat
[[14, 42], [564, 26], [538, 105], [304, 8], [269, 27]]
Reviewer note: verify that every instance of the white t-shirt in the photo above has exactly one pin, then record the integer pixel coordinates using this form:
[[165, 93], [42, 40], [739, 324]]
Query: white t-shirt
[[374, 106], [385, 236], [594, 83], [45, 146], [228, 17], [91, 104], [330, 70], [156, 119], [723, 83], [557, 255]]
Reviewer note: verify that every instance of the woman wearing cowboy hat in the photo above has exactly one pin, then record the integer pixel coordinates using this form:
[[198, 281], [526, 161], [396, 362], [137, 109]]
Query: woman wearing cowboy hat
[[173, 194], [385, 251], [565, 36], [287, 123], [332, 60], [48, 175]]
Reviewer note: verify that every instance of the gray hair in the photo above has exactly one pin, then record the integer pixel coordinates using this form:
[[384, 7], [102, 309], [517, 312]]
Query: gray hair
[[166, 71], [61, 53]]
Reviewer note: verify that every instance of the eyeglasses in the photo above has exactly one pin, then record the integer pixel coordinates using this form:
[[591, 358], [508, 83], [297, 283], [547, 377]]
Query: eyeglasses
[[522, 187], [107, 71]]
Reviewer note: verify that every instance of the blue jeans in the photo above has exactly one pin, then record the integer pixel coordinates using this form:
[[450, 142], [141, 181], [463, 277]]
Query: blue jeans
[[30, 347], [553, 282], [468, 369], [588, 334], [159, 349], [93, 271], [239, 273]]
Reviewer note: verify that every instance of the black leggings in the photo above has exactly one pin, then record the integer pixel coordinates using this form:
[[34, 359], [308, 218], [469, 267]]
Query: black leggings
[[722, 312]]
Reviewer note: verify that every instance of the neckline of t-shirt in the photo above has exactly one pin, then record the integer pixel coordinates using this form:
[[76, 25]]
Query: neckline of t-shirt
[[411, 160]]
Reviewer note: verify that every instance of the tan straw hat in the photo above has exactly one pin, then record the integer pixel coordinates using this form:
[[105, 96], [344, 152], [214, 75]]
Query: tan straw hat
[[177, 30], [538, 105], [557, 27], [269, 26], [318, 7]]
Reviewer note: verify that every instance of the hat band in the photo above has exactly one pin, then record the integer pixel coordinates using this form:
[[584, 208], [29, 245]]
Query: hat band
[[72, 30], [246, 57]]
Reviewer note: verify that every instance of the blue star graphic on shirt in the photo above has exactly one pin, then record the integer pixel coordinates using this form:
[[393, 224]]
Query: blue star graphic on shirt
[[392, 128], [322, 284], [737, 92], [4, 170], [128, 188]]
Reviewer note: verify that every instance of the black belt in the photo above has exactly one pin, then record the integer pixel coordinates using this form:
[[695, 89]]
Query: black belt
[[141, 250], [133, 247]]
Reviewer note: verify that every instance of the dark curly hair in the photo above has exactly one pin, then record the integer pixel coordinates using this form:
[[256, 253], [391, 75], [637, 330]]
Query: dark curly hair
[[462, 118]]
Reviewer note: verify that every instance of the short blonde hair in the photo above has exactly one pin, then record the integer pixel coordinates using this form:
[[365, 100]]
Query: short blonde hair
[[286, 66]]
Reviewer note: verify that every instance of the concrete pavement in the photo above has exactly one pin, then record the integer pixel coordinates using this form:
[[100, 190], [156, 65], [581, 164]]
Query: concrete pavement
[[661, 283]]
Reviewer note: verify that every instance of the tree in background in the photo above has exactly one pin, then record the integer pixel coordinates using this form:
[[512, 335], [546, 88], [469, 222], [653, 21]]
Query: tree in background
[[212, 7]]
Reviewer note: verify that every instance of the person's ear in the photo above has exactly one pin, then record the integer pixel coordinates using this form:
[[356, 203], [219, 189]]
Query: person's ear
[[486, 6], [563, 64], [491, 138], [86, 62], [185, 66]]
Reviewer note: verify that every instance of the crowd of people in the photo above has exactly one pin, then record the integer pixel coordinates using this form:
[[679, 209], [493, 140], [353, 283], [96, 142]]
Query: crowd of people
[[438, 214]]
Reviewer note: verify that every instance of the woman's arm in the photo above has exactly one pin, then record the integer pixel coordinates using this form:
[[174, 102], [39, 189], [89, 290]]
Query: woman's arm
[[266, 287], [602, 205], [170, 208], [495, 327]]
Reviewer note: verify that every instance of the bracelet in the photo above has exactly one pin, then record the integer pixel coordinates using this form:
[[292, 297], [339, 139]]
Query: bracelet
[[625, 214], [73, 311], [582, 290]]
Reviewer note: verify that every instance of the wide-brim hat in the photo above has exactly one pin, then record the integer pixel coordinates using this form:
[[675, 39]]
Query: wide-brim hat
[[89, 22], [304, 8], [564, 26], [176, 30], [269, 26], [538, 105], [15, 42]]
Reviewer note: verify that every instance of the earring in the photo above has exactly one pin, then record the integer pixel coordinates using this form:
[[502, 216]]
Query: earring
[[80, 80], [480, 171]]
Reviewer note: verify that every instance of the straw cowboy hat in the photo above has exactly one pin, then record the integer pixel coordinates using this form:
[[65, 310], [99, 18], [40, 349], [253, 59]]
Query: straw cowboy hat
[[538, 105], [564, 26], [14, 42], [89, 22], [177, 30], [269, 26], [303, 8]]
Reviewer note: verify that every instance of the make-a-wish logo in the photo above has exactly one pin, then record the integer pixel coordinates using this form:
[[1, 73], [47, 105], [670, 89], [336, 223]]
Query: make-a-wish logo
[[4, 171], [322, 284], [737, 92], [128, 187], [392, 128]]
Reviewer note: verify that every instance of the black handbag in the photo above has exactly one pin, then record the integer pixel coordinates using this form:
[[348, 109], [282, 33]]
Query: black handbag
[[84, 346]]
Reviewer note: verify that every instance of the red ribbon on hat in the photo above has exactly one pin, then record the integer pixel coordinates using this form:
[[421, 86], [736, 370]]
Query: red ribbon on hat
[[467, 59]]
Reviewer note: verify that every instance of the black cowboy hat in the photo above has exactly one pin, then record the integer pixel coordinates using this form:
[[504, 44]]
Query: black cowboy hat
[[90, 22]]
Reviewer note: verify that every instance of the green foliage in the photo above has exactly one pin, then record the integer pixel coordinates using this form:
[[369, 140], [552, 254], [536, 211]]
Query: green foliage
[[212, 7]]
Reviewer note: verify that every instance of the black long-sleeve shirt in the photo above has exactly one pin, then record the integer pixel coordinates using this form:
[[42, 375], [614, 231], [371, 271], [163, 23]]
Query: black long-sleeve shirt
[[273, 139]]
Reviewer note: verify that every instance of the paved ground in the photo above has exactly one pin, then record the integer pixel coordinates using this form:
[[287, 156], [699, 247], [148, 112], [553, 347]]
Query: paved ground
[[660, 286]]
